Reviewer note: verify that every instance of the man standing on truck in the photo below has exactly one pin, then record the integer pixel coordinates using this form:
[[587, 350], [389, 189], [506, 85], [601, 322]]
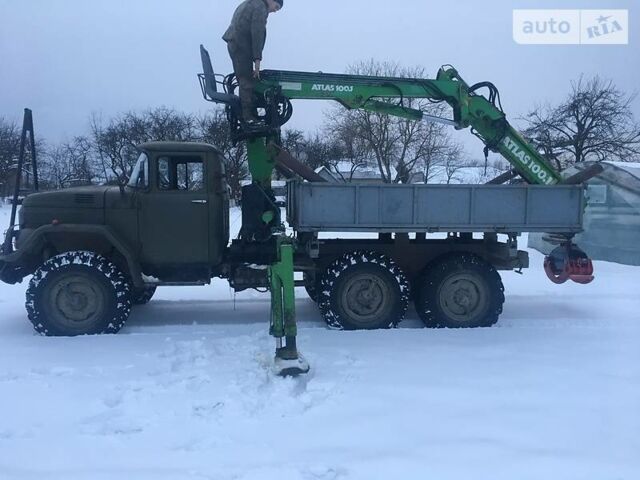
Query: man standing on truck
[[246, 37]]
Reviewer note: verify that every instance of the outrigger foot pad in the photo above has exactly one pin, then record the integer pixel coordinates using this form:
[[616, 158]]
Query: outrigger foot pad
[[290, 367]]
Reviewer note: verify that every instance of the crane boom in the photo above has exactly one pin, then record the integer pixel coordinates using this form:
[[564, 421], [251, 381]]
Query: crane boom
[[470, 109], [277, 88]]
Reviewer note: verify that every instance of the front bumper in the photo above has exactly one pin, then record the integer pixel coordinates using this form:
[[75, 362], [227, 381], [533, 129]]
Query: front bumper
[[3, 266], [10, 270], [7, 244], [9, 273]]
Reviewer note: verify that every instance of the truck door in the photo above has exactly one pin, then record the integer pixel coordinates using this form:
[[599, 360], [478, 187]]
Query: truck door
[[173, 216]]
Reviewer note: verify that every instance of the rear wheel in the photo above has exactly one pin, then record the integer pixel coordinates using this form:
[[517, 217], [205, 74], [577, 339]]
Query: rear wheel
[[78, 293], [363, 291], [460, 291]]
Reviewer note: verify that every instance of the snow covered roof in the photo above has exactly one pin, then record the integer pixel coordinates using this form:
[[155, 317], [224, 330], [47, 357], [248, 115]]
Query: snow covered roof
[[632, 167], [363, 170], [623, 174]]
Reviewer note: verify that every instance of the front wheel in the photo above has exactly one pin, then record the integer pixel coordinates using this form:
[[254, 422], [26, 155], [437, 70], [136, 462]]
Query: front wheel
[[459, 291], [78, 293], [363, 291], [142, 296]]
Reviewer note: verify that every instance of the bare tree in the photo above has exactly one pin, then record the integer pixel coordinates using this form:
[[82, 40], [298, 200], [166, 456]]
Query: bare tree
[[10, 138], [331, 149], [451, 163], [350, 150], [9, 151], [321, 151], [399, 147], [115, 143], [595, 122], [115, 149], [294, 142], [213, 128], [70, 163]]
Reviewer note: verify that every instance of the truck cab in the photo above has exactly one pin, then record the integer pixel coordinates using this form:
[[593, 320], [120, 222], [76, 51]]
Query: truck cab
[[172, 217], [181, 199]]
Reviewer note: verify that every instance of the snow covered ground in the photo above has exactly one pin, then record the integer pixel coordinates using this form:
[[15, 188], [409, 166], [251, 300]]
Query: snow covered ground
[[184, 392]]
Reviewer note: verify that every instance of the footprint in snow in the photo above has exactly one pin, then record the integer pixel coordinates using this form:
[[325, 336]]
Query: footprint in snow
[[113, 400], [10, 378], [111, 423], [324, 473], [206, 410], [10, 434], [52, 372]]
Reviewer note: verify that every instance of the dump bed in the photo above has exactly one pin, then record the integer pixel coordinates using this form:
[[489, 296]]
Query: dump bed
[[327, 207]]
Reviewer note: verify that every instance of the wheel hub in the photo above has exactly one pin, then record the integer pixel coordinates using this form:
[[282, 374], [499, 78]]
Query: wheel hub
[[365, 297], [462, 297], [75, 299]]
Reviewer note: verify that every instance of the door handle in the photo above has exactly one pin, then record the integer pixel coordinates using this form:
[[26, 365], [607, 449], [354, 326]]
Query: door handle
[[200, 202]]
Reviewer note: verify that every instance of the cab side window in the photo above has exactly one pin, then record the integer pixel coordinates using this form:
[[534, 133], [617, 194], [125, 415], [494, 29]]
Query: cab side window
[[181, 174], [140, 175]]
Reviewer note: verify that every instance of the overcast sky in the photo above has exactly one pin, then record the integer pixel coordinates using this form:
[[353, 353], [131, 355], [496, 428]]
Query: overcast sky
[[68, 58]]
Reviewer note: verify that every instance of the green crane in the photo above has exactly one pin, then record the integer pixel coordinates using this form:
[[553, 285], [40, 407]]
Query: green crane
[[470, 109], [273, 95]]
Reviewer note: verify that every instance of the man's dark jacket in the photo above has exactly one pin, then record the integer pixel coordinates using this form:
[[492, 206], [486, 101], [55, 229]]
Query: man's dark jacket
[[248, 30]]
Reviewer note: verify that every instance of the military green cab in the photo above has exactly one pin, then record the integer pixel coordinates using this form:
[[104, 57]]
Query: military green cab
[[94, 251]]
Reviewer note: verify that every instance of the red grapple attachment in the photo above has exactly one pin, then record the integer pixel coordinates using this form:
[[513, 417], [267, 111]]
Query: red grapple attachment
[[568, 262]]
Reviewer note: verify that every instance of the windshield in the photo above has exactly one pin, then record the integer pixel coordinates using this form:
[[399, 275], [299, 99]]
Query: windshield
[[140, 176]]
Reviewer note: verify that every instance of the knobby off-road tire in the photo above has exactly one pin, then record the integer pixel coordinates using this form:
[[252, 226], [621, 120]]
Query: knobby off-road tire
[[363, 291], [460, 290], [78, 293], [142, 296], [312, 287]]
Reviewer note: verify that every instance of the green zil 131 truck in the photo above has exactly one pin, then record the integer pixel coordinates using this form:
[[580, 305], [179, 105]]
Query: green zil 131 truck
[[93, 252]]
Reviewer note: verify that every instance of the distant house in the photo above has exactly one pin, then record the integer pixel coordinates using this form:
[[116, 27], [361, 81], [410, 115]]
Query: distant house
[[612, 216], [345, 171]]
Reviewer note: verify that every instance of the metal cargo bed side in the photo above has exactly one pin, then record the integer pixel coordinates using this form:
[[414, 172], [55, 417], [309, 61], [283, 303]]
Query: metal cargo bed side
[[327, 207]]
